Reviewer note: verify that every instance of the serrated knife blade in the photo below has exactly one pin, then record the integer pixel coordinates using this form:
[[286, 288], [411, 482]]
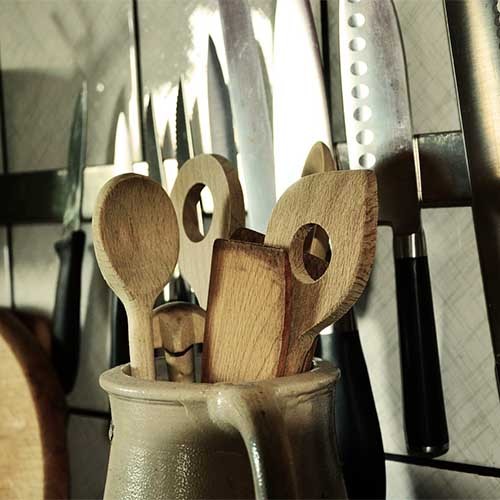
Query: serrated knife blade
[[379, 136]]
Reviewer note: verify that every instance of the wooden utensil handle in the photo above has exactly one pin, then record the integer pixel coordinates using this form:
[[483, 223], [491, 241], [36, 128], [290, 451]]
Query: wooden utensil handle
[[141, 342]]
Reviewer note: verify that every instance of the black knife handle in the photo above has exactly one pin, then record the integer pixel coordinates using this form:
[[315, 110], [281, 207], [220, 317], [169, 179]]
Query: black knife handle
[[356, 421], [119, 333], [66, 316], [423, 402]]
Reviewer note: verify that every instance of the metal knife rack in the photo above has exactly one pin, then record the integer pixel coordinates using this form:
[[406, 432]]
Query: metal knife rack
[[39, 197]]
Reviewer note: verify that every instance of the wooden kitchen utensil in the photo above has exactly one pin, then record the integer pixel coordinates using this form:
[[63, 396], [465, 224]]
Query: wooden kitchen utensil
[[177, 326], [136, 241], [34, 461], [221, 178], [248, 317], [344, 204]]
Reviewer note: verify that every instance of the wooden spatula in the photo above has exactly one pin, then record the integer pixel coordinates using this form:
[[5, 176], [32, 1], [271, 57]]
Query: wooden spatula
[[248, 317], [221, 178], [177, 326], [344, 204], [136, 241]]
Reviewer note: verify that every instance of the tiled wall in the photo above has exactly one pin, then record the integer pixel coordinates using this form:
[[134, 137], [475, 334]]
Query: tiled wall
[[47, 46]]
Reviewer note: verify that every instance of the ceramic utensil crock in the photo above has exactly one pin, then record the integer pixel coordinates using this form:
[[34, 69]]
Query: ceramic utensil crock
[[271, 439]]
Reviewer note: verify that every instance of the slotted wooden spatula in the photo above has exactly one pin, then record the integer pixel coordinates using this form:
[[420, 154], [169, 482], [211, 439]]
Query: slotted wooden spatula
[[344, 204], [248, 316]]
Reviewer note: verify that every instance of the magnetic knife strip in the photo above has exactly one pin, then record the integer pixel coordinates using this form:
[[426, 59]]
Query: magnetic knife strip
[[39, 197]]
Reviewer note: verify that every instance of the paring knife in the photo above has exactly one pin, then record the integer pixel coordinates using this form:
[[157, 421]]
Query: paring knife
[[379, 136], [250, 111], [299, 86], [475, 43], [66, 314]]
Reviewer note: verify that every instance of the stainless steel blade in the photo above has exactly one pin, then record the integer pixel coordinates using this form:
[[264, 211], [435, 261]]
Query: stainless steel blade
[[122, 160], [152, 148], [475, 43], [76, 163], [298, 85], [250, 111], [219, 108], [377, 108], [184, 145]]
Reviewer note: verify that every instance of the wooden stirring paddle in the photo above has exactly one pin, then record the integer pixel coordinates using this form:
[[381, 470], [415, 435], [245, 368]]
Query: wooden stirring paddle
[[221, 178], [136, 242], [344, 204], [248, 316]]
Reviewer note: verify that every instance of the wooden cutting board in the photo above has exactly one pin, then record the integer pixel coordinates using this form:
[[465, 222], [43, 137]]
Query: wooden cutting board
[[34, 461]]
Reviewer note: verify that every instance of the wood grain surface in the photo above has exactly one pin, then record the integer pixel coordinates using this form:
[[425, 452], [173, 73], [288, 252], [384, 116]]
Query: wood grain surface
[[248, 317], [33, 461], [177, 326], [221, 178], [136, 242], [344, 204]]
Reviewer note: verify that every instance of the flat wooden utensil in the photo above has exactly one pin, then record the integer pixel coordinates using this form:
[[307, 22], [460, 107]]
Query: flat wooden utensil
[[177, 326], [248, 316], [221, 178], [345, 206], [136, 241]]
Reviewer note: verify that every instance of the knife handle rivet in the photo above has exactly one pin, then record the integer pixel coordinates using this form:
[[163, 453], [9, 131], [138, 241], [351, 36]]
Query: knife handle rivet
[[356, 20]]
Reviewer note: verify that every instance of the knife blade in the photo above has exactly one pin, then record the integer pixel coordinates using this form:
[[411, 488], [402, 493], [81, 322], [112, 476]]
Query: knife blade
[[66, 313], [299, 86], [219, 108], [250, 111], [184, 144], [379, 135], [475, 41], [152, 149], [123, 162], [179, 289]]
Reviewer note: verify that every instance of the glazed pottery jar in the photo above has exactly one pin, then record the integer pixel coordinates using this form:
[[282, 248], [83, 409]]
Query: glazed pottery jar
[[270, 439]]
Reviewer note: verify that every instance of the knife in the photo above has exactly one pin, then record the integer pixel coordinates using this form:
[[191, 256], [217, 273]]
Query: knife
[[66, 314], [379, 135], [219, 108], [299, 86], [123, 163], [475, 45], [250, 111]]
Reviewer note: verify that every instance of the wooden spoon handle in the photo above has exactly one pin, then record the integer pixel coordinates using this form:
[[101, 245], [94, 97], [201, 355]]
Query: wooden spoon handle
[[141, 342]]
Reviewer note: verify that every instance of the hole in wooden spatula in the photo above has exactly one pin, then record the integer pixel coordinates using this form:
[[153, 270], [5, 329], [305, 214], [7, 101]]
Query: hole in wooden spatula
[[310, 252], [197, 213]]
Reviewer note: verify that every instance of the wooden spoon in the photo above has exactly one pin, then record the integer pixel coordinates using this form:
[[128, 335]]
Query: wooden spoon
[[136, 241], [221, 178], [345, 206], [248, 316], [177, 326]]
